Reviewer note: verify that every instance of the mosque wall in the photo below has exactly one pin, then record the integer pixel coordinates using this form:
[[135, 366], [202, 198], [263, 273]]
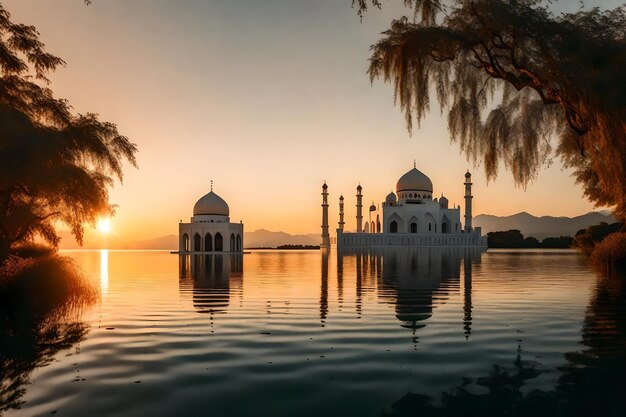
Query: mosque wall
[[354, 240], [210, 237]]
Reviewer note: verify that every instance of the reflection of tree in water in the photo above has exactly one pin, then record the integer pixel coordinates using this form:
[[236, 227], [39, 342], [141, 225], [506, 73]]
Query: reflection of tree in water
[[211, 278], [591, 384], [21, 353], [594, 379], [38, 319]]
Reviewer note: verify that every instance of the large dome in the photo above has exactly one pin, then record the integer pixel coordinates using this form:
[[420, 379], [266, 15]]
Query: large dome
[[414, 180], [211, 204]]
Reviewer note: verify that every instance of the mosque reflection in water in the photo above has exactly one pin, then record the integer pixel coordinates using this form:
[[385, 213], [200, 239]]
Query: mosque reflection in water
[[212, 279], [413, 280]]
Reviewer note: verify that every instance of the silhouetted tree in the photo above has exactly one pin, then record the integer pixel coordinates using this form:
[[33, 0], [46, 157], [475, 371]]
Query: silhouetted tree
[[511, 75], [55, 166], [506, 239], [586, 239], [531, 242], [557, 242]]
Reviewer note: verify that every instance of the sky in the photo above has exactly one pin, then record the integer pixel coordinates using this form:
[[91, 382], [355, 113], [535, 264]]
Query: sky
[[267, 98]]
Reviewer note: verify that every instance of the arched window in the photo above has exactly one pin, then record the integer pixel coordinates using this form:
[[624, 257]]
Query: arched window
[[393, 227], [372, 227], [238, 243], [413, 227], [445, 224], [232, 242], [208, 243], [219, 242], [377, 226], [197, 243], [430, 227], [186, 242]]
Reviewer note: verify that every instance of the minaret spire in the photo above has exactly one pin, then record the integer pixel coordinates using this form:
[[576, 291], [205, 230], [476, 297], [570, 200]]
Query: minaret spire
[[359, 209], [211, 185], [341, 222], [325, 236], [468, 202]]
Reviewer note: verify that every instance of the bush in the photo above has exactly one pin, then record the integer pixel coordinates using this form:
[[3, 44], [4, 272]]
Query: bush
[[611, 251], [33, 288]]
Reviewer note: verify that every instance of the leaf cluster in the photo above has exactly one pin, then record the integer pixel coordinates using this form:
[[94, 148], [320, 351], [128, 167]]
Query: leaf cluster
[[55, 166], [519, 85]]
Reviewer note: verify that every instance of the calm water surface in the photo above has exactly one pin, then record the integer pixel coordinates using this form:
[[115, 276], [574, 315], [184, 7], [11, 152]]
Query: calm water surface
[[402, 333]]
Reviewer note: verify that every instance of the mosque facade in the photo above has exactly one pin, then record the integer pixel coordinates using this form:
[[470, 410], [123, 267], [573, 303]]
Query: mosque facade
[[209, 229], [410, 216]]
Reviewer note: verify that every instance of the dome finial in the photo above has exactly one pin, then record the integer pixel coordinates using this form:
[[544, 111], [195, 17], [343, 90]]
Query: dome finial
[[211, 185], [414, 164]]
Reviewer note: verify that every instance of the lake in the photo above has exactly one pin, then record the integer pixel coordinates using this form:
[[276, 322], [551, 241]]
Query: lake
[[413, 332]]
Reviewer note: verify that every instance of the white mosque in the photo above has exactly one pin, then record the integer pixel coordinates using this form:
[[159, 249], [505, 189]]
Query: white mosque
[[210, 229], [408, 217]]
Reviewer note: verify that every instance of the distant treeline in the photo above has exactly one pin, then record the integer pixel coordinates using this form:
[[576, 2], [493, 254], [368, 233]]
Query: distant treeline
[[515, 239], [298, 247], [312, 247]]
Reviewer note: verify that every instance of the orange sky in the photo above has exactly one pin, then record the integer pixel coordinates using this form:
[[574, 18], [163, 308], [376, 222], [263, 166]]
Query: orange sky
[[268, 99]]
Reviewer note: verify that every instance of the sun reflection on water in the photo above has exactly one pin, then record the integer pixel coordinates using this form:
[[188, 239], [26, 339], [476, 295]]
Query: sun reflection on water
[[104, 271]]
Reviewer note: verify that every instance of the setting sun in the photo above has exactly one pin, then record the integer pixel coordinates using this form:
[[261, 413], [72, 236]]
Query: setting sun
[[104, 225]]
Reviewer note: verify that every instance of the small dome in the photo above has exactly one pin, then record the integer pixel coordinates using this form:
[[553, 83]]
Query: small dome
[[414, 180], [324, 186], [211, 204], [391, 198], [443, 202], [359, 188], [467, 174], [373, 207]]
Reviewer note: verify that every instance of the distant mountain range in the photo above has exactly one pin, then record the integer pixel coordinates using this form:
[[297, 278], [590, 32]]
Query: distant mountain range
[[265, 238], [541, 227], [529, 225], [258, 238]]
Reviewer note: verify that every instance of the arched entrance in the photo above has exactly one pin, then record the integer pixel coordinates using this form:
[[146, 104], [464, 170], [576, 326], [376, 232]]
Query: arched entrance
[[413, 227], [238, 243], [219, 242], [208, 243], [395, 224], [197, 243], [232, 242], [432, 224], [185, 245], [445, 224]]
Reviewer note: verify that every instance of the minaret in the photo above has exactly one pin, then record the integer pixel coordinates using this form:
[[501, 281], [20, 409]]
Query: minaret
[[341, 222], [325, 236], [468, 202], [359, 209]]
